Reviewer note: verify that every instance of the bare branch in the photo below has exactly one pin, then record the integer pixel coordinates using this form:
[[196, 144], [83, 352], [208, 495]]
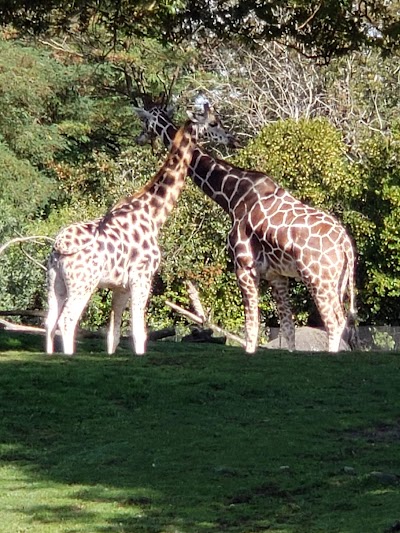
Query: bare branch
[[195, 301], [169, 93], [34, 261], [187, 314], [60, 47], [197, 320], [302, 26], [23, 312], [24, 239]]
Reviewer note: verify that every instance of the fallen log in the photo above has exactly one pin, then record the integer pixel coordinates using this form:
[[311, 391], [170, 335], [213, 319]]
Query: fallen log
[[24, 312], [154, 335], [10, 326]]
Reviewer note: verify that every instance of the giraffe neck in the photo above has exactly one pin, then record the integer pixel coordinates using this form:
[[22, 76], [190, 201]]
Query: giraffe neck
[[161, 193], [220, 181]]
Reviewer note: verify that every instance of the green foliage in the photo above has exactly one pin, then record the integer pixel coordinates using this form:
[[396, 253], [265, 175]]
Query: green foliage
[[28, 143], [22, 284], [24, 189], [380, 204], [30, 87], [308, 158], [28, 139]]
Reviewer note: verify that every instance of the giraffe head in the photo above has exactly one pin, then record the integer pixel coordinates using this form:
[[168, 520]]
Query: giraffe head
[[157, 118]]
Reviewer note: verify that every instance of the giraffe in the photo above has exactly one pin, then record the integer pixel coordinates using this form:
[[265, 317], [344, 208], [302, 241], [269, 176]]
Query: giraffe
[[275, 237], [118, 251]]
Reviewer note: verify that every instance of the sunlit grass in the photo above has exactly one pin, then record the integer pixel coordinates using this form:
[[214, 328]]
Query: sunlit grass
[[197, 439]]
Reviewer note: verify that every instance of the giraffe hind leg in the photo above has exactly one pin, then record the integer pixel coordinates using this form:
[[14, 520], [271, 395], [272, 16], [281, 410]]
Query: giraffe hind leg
[[119, 302], [332, 314], [280, 293], [335, 335], [69, 318], [335, 325], [57, 294]]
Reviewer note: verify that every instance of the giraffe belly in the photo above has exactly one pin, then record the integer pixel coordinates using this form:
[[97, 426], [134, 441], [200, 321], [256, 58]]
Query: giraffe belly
[[118, 272], [275, 265]]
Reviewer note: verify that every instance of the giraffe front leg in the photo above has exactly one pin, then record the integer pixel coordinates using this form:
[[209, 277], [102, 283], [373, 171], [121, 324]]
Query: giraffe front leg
[[248, 283], [119, 303], [280, 293]]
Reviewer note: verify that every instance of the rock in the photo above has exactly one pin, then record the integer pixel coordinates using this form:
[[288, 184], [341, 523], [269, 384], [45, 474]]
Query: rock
[[307, 340]]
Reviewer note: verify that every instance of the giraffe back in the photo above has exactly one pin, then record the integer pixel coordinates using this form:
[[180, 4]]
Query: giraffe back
[[76, 237]]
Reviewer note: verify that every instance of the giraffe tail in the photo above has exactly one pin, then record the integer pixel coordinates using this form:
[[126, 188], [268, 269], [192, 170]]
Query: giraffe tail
[[352, 336]]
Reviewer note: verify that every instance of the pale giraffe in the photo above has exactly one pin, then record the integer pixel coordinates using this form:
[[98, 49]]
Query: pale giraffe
[[274, 236], [119, 251]]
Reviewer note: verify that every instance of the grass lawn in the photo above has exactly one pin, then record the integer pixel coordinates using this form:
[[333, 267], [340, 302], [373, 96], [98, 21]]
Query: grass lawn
[[198, 438]]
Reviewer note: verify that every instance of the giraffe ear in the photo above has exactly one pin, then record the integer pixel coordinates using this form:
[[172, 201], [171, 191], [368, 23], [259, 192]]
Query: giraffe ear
[[170, 111]]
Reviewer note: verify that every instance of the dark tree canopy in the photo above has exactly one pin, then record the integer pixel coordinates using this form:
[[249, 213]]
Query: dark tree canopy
[[317, 27], [320, 28]]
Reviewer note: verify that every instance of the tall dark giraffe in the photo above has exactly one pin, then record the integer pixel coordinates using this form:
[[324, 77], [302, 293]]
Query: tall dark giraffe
[[119, 251], [274, 236]]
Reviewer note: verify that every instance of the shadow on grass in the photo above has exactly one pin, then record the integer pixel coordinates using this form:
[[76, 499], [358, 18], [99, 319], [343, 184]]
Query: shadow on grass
[[202, 439]]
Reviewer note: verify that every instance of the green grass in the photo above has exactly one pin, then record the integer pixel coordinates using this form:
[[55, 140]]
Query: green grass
[[197, 439]]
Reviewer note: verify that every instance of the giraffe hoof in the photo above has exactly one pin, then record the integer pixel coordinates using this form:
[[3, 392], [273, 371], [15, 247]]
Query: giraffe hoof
[[250, 351]]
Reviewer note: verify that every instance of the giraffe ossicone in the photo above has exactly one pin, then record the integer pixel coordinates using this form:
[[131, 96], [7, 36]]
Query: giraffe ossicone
[[119, 251], [274, 237]]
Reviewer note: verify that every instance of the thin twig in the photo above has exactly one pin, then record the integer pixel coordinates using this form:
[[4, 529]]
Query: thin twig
[[34, 261]]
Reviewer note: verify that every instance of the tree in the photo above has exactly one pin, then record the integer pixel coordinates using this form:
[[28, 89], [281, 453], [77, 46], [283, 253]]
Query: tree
[[320, 29], [252, 88], [58, 143]]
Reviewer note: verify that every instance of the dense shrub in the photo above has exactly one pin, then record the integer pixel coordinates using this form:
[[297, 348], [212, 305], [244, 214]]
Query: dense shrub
[[380, 248]]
